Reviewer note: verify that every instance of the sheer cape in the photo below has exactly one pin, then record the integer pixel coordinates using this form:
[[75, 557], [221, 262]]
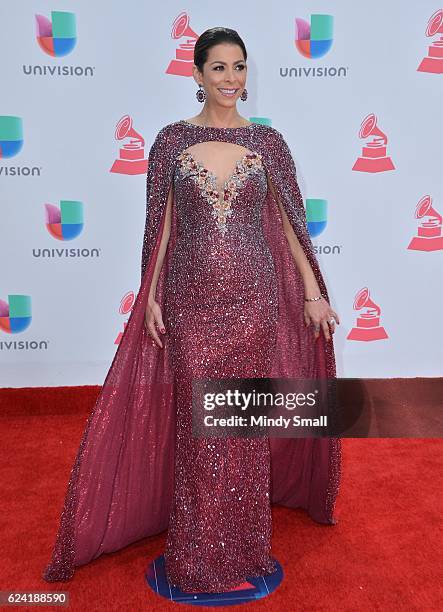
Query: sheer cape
[[121, 485]]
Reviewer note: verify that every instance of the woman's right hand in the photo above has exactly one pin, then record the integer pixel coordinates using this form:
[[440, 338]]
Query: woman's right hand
[[153, 317]]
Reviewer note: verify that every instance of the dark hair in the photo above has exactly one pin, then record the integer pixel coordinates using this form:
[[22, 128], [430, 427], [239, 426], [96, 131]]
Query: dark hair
[[212, 37]]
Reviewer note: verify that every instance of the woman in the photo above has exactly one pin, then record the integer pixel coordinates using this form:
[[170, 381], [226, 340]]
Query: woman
[[230, 288]]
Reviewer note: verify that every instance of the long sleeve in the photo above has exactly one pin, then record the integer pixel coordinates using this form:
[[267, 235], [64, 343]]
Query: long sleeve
[[283, 176], [158, 179], [314, 461]]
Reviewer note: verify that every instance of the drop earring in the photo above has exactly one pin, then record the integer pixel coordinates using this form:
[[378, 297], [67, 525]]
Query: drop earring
[[200, 95], [244, 95]]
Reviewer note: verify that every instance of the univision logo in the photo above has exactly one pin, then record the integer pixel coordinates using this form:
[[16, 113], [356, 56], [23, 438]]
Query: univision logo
[[57, 37], [65, 222], [15, 314], [11, 136], [11, 143], [317, 219], [16, 317], [316, 215], [314, 40]]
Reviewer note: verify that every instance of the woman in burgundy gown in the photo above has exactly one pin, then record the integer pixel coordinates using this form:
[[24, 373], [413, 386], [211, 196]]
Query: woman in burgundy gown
[[230, 288]]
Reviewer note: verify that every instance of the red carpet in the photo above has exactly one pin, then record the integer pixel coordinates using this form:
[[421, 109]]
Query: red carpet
[[382, 555]]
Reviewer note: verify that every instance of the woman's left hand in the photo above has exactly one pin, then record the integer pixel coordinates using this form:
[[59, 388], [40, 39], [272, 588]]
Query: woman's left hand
[[321, 315]]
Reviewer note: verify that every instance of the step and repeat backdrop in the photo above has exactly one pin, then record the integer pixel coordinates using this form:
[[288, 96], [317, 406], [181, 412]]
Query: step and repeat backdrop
[[355, 88]]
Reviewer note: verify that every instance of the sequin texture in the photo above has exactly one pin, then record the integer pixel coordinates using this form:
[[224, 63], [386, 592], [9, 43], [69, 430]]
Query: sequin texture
[[233, 306], [221, 300]]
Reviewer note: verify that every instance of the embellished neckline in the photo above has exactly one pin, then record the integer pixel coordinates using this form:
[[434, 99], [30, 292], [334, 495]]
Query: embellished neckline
[[222, 198], [209, 127], [245, 161]]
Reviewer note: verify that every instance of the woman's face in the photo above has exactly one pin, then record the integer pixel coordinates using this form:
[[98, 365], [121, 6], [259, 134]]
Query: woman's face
[[224, 71]]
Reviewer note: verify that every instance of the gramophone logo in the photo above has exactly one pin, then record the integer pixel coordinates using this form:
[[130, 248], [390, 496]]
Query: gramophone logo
[[64, 222], [434, 60], [15, 314], [374, 156], [316, 215], [315, 39], [429, 233], [126, 305], [184, 54], [11, 136], [132, 153], [368, 326], [56, 37]]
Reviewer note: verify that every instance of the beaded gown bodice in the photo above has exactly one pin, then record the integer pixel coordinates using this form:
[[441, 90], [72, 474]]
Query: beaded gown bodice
[[219, 198], [219, 227]]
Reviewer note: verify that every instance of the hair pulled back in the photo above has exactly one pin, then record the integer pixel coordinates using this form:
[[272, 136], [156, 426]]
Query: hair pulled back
[[212, 37]]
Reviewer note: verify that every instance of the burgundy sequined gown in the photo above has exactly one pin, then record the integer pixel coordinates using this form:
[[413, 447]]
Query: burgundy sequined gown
[[232, 303], [221, 312]]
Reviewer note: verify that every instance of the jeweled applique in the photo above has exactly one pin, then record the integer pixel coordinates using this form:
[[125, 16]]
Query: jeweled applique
[[207, 183]]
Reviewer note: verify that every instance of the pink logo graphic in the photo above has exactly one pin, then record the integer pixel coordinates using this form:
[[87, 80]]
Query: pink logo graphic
[[126, 304], [132, 154], [184, 55], [429, 236], [373, 157], [368, 322], [434, 60]]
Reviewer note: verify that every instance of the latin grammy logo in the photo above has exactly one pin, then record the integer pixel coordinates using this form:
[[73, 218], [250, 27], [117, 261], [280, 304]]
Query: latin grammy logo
[[126, 304], [429, 234], [132, 154], [373, 157], [184, 55], [368, 322], [434, 60]]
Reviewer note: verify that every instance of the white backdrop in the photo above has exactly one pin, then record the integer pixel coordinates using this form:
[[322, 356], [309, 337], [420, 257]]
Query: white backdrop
[[116, 64]]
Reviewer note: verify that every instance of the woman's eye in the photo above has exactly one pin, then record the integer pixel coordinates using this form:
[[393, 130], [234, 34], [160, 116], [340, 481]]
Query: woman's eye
[[241, 66]]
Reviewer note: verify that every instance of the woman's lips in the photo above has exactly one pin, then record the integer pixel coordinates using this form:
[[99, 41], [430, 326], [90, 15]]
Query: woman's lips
[[228, 93]]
